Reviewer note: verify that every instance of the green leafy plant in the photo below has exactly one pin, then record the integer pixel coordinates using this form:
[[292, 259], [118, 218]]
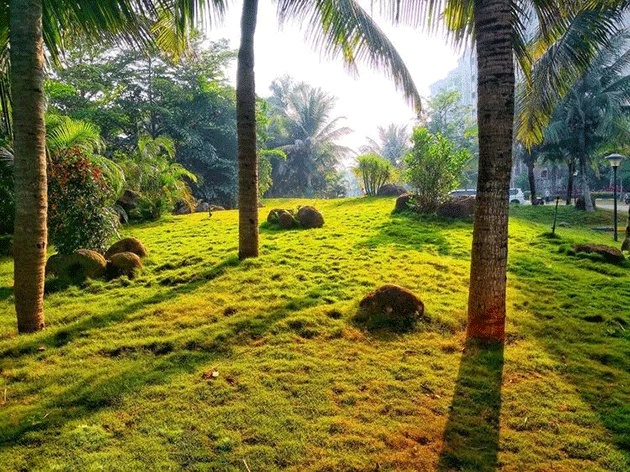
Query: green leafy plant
[[78, 214], [434, 167], [374, 171]]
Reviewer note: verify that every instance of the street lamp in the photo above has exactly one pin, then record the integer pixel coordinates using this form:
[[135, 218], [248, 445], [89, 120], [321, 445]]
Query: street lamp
[[615, 160]]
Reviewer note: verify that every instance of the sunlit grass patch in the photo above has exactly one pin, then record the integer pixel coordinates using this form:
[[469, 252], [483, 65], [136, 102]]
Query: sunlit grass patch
[[123, 376]]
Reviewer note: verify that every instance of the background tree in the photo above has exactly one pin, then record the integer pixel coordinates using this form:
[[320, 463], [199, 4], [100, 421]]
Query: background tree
[[433, 168], [303, 126], [392, 144]]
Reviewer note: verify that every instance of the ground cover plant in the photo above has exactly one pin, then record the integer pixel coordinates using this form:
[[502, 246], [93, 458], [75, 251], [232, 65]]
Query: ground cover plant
[[203, 362]]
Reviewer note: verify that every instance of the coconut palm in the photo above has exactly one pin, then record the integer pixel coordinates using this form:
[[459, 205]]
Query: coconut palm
[[498, 29], [392, 144], [595, 111], [28, 25], [307, 133]]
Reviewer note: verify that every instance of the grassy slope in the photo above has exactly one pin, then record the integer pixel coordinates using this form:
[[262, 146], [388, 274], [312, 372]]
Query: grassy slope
[[120, 378]]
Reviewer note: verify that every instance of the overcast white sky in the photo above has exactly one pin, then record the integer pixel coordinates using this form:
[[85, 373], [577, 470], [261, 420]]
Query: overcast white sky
[[367, 101]]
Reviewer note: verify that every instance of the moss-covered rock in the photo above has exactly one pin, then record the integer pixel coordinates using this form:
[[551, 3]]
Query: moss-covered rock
[[127, 245], [274, 215], [310, 217], [286, 220], [391, 306], [78, 266], [123, 263], [609, 254], [402, 202], [458, 207]]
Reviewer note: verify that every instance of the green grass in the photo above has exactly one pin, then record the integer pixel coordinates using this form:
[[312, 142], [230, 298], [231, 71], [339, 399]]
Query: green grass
[[121, 378]]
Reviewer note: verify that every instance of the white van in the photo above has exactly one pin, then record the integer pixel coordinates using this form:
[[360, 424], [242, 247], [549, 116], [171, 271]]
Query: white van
[[517, 196]]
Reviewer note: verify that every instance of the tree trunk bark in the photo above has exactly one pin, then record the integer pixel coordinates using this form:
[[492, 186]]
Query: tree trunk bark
[[571, 165], [530, 176], [246, 130], [30, 239], [495, 115], [586, 190]]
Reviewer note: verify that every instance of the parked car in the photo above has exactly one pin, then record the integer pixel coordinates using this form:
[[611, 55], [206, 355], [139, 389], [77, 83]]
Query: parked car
[[517, 196], [464, 192]]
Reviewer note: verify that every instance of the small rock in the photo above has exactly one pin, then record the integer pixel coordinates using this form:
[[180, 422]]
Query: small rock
[[286, 220], [610, 254], [201, 207], [564, 224], [392, 306], [274, 215], [130, 244], [402, 202], [124, 263], [310, 217], [390, 190], [457, 207]]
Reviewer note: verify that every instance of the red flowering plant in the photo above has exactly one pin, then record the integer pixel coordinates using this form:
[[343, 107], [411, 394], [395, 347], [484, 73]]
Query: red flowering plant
[[78, 196]]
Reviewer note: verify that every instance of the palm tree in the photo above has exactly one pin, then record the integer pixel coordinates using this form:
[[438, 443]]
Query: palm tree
[[393, 143], [31, 236], [497, 27], [595, 111], [28, 30], [306, 132], [340, 28]]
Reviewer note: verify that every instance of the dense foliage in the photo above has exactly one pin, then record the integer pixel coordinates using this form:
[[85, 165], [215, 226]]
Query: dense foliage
[[434, 167], [78, 214], [130, 94]]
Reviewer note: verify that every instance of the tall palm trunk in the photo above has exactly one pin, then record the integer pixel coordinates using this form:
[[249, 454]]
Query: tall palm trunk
[[246, 128], [30, 239], [486, 301]]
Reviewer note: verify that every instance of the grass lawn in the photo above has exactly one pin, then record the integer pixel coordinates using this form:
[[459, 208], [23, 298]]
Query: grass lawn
[[122, 378]]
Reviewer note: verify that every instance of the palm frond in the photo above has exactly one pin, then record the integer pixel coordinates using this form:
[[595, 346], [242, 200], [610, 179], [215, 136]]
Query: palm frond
[[341, 28]]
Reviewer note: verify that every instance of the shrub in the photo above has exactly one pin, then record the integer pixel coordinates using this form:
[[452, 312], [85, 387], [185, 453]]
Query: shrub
[[78, 216], [374, 172], [434, 167], [7, 202]]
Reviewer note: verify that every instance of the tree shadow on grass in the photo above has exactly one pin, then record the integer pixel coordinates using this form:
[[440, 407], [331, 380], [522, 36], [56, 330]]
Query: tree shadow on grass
[[5, 293], [411, 232], [66, 334], [162, 361], [471, 435]]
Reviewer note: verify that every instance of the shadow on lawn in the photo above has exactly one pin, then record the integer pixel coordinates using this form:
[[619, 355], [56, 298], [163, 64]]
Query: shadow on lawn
[[183, 355], [471, 435], [66, 334], [5, 293]]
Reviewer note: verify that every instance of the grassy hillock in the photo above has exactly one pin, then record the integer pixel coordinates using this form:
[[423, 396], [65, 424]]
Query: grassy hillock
[[207, 363]]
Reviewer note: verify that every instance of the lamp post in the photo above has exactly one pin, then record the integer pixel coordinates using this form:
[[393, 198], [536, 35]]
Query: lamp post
[[615, 160]]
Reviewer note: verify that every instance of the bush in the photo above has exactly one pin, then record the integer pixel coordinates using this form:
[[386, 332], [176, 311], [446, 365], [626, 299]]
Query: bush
[[78, 216], [374, 172], [434, 167], [7, 202]]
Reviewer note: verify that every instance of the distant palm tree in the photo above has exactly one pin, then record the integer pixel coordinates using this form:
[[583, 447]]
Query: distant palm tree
[[307, 133], [392, 144]]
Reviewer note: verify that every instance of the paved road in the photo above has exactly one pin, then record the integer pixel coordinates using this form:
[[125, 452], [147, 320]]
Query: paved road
[[622, 208]]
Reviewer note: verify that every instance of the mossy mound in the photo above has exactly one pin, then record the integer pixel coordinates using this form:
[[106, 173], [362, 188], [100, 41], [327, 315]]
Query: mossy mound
[[123, 263], [77, 267], [391, 306], [609, 254], [310, 217], [458, 207], [130, 244]]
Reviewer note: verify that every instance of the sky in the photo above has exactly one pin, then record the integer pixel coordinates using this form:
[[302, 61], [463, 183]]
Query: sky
[[368, 100]]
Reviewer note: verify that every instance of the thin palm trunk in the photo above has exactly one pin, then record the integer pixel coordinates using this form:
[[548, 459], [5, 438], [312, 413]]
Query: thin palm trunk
[[531, 177], [246, 128], [30, 239], [486, 301], [570, 181]]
